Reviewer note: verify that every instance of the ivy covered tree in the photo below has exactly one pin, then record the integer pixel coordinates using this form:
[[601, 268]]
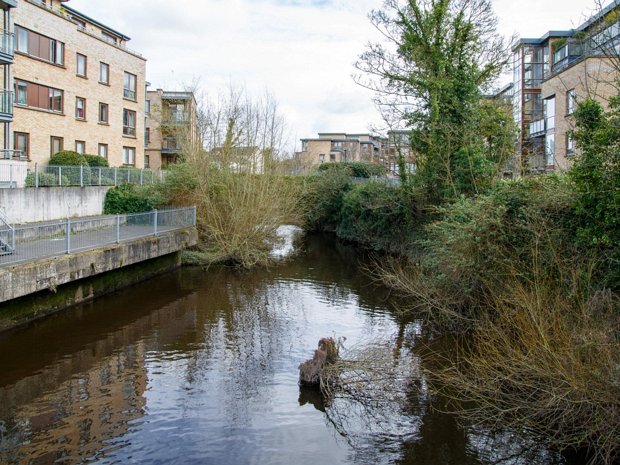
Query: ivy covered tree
[[596, 174], [439, 58]]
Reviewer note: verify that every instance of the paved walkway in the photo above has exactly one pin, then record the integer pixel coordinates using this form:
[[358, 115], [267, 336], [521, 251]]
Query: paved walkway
[[53, 240]]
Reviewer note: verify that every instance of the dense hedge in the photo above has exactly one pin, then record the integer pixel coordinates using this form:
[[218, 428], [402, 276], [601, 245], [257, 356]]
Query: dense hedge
[[355, 168], [127, 198], [71, 158]]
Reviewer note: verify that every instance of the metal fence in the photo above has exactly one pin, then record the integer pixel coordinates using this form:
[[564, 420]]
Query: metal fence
[[32, 242], [18, 175]]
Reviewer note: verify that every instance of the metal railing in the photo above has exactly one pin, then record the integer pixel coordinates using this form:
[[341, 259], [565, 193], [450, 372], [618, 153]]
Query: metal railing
[[6, 154], [41, 240], [6, 102], [74, 176], [7, 240], [7, 42]]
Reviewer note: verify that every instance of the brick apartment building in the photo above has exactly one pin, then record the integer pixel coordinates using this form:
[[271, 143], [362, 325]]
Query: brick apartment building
[[171, 122], [341, 147], [551, 74], [76, 86]]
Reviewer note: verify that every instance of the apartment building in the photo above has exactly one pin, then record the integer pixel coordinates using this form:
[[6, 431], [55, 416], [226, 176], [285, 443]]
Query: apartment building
[[6, 94], [398, 144], [171, 123], [339, 147], [77, 86], [551, 74]]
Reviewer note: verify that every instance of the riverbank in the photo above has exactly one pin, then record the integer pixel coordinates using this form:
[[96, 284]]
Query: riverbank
[[510, 268]]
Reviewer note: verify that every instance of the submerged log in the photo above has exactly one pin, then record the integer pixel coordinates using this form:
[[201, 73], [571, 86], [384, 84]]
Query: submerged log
[[310, 370]]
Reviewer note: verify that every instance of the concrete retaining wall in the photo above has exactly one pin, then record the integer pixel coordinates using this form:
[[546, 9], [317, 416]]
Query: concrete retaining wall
[[50, 273], [31, 205]]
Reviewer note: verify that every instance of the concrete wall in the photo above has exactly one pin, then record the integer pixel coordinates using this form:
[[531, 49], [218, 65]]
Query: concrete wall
[[50, 273], [51, 203]]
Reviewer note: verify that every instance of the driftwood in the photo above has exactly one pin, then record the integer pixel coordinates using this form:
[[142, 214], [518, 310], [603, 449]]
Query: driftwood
[[310, 371]]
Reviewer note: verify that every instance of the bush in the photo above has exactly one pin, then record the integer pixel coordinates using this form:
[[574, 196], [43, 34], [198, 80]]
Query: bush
[[45, 179], [127, 198], [68, 158], [355, 168], [95, 161], [322, 197], [378, 215]]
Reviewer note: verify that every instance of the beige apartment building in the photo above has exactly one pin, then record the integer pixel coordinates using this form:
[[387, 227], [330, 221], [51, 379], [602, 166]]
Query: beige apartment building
[[171, 126], [77, 86], [551, 75], [340, 147]]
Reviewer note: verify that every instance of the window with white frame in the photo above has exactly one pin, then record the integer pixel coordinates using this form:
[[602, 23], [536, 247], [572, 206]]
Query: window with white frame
[[129, 155]]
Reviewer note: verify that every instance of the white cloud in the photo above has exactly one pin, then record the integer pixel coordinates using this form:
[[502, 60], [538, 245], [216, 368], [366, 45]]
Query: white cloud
[[301, 50]]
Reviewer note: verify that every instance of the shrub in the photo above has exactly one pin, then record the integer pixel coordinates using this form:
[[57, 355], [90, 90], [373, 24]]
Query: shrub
[[45, 179], [355, 168], [96, 161], [127, 198], [378, 215], [68, 158], [322, 197]]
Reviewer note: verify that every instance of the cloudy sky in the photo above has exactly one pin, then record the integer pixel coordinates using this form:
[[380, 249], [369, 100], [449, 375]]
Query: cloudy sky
[[301, 51]]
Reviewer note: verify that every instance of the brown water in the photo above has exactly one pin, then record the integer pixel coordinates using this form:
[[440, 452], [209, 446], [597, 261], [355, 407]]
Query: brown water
[[201, 367]]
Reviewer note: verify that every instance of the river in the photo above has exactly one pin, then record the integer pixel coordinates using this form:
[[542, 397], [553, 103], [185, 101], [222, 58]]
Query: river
[[201, 367]]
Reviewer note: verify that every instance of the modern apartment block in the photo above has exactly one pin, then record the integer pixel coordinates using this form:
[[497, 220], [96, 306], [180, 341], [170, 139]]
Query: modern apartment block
[[551, 74], [171, 122], [342, 147], [6, 93], [398, 144], [77, 86]]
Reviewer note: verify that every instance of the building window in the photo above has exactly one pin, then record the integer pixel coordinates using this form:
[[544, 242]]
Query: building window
[[81, 67], [103, 113], [332, 157], [570, 144], [56, 144], [129, 86], [147, 161], [21, 143], [322, 157], [103, 151], [147, 107], [550, 149], [38, 96], [40, 46], [570, 102], [129, 156], [129, 123], [104, 73], [80, 146], [147, 136], [549, 109], [80, 108]]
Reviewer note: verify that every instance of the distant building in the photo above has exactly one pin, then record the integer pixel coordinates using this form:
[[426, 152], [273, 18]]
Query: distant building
[[398, 144], [171, 124], [339, 147], [551, 74], [76, 86]]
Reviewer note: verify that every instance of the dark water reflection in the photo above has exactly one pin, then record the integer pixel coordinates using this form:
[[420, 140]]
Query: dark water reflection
[[197, 367]]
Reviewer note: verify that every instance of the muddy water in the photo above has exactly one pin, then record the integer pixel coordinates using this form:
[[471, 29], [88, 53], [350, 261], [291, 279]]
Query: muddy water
[[196, 367]]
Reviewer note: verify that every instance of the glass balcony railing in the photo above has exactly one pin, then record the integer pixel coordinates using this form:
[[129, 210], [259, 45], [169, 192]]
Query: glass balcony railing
[[6, 102], [7, 43]]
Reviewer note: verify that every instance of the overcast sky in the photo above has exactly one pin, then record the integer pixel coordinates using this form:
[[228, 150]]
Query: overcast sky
[[302, 51]]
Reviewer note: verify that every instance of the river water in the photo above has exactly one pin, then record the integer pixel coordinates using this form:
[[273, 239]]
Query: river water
[[201, 367]]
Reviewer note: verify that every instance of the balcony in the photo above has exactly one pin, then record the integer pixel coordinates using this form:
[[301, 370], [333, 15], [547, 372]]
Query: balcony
[[537, 128], [16, 155], [7, 47], [175, 118], [6, 106], [170, 146]]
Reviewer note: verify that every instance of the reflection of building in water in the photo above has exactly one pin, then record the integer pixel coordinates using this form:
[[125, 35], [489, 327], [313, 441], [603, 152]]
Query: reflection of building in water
[[73, 422], [69, 408]]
